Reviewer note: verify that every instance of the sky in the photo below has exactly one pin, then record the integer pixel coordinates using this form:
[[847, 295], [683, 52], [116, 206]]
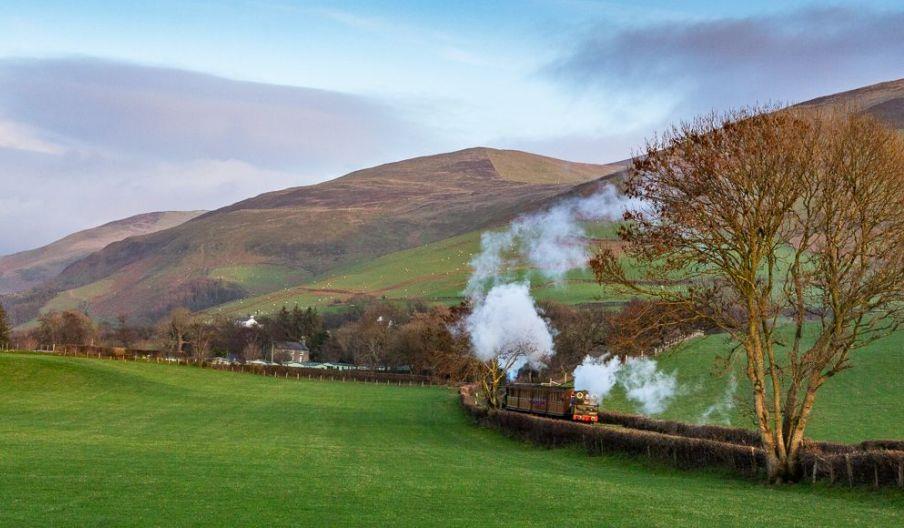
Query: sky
[[106, 112]]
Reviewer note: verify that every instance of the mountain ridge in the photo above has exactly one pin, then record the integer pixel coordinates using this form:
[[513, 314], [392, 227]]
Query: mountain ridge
[[298, 233], [27, 269]]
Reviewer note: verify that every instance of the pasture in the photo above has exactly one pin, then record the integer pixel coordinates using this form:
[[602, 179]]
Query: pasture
[[862, 403], [436, 272], [97, 442]]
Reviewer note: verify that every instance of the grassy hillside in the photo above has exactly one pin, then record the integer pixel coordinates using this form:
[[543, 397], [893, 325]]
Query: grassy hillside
[[865, 402], [27, 269], [436, 272], [300, 233], [91, 442], [884, 101]]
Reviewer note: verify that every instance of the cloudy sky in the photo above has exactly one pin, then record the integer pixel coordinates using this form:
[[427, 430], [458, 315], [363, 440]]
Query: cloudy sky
[[184, 104]]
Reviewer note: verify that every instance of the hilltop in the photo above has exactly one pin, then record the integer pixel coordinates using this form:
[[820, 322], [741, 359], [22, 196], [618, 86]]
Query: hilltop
[[321, 244], [27, 269], [884, 101], [287, 237]]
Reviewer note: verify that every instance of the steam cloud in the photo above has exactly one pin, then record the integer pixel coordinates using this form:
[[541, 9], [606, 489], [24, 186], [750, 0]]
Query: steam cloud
[[506, 325], [552, 242], [721, 410], [505, 321], [640, 378], [645, 384]]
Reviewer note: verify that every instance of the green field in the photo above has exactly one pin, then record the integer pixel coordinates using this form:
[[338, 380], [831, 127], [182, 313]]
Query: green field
[[865, 402], [436, 272], [100, 443]]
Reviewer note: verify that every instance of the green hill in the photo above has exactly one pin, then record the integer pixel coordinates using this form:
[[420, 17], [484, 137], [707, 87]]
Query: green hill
[[862, 403], [436, 273], [286, 237], [27, 269], [94, 442]]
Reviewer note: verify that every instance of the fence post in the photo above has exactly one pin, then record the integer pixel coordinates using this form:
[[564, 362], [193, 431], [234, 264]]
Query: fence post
[[815, 463], [850, 470]]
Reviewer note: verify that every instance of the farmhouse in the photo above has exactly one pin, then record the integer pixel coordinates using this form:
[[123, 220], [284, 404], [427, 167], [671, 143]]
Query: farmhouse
[[296, 351]]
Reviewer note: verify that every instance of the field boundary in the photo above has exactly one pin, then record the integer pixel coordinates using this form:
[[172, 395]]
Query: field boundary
[[875, 463], [276, 371]]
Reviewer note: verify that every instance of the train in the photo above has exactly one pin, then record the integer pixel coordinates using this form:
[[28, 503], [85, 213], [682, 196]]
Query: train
[[551, 400]]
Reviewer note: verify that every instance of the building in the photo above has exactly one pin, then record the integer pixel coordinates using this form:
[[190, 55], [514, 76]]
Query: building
[[249, 323], [295, 351]]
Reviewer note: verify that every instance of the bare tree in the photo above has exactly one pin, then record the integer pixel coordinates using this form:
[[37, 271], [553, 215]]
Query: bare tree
[[497, 369], [174, 330], [4, 328], [760, 219], [200, 333]]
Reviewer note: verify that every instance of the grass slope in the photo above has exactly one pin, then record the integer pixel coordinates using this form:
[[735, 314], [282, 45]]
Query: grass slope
[[312, 231], [862, 403], [27, 269], [91, 442], [436, 272]]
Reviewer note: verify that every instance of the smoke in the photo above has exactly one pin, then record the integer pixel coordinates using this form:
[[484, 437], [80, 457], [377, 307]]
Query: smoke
[[645, 384], [506, 326], [720, 412], [640, 378], [505, 323], [597, 375], [551, 242]]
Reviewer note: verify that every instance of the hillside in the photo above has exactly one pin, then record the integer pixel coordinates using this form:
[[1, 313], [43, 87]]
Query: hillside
[[293, 235], [27, 269], [884, 101], [436, 273], [142, 444]]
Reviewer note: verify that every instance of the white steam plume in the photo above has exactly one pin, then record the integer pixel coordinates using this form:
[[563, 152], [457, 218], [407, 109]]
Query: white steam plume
[[640, 378], [551, 242], [645, 384], [597, 375], [720, 411], [506, 326], [505, 323]]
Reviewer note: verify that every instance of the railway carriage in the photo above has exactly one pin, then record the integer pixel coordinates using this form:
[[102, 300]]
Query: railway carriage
[[551, 400]]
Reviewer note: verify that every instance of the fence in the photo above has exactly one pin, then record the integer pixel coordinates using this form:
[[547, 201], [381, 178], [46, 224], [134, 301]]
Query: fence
[[874, 463], [277, 371]]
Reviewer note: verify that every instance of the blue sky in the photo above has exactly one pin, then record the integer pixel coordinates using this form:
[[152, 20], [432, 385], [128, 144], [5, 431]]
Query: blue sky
[[137, 106]]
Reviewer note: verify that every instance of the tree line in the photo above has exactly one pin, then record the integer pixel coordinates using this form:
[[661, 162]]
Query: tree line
[[375, 333]]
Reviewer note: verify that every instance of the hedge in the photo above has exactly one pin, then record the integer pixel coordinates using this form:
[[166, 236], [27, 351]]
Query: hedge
[[371, 376], [874, 463]]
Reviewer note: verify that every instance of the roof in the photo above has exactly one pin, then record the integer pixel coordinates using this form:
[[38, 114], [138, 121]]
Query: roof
[[290, 345]]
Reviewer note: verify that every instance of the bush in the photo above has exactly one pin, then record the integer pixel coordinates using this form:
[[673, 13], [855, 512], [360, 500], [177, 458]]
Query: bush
[[687, 446]]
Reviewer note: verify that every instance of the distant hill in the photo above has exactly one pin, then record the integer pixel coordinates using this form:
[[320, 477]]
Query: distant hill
[[885, 101], [27, 269], [284, 238], [386, 230]]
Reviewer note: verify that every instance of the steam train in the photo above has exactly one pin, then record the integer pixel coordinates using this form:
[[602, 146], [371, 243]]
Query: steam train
[[551, 400]]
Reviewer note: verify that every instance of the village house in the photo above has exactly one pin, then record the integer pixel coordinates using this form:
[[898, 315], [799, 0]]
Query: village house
[[295, 351]]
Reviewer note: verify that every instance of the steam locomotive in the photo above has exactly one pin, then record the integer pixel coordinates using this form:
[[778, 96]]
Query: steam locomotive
[[551, 400]]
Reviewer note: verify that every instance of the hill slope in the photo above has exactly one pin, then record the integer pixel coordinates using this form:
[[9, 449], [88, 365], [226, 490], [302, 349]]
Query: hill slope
[[27, 269], [884, 101], [303, 232], [123, 443]]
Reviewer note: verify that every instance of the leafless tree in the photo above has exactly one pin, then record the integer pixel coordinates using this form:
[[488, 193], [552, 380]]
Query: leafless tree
[[760, 218]]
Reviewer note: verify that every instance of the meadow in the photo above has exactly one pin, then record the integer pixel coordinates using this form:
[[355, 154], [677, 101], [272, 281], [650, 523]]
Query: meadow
[[436, 273], [862, 403], [98, 442]]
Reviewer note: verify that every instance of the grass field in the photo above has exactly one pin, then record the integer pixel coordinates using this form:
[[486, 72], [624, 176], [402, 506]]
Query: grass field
[[865, 402], [92, 442], [436, 272]]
